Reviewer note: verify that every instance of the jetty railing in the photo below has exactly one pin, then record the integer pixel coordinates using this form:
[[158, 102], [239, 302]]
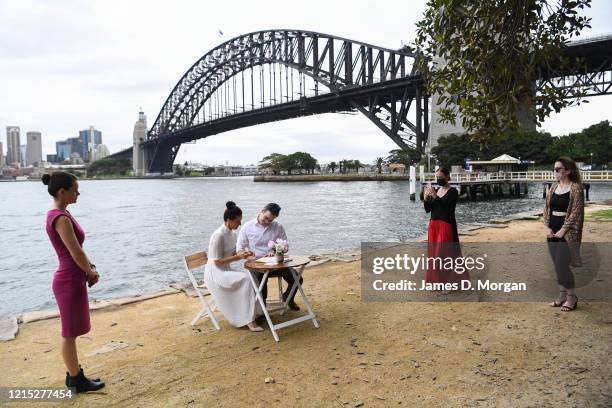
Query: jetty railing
[[536, 175]]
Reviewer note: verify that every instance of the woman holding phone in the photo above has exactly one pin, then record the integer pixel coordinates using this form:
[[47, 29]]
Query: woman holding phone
[[442, 235]]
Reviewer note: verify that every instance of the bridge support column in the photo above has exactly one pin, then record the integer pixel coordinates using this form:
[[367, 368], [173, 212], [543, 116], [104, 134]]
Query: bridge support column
[[161, 158]]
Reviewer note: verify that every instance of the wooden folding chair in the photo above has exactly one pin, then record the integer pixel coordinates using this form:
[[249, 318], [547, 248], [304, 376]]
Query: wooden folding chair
[[192, 262]]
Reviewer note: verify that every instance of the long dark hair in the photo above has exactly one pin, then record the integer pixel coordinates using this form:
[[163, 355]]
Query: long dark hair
[[57, 180], [231, 211], [570, 165]]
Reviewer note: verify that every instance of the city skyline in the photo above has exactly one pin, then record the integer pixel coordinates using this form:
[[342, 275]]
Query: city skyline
[[104, 70]]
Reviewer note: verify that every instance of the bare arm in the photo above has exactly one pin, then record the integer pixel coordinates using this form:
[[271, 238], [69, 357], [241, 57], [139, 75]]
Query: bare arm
[[64, 228], [232, 258]]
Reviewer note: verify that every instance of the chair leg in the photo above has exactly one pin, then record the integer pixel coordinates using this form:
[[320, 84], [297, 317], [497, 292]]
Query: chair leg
[[206, 310], [257, 289]]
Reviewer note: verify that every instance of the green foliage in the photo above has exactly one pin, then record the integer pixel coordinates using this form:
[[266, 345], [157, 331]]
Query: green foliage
[[333, 166], [596, 139], [494, 51], [110, 166], [405, 157], [537, 146], [296, 161]]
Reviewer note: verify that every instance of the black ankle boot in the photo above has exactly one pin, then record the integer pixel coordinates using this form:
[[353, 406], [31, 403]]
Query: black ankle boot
[[82, 383], [92, 379]]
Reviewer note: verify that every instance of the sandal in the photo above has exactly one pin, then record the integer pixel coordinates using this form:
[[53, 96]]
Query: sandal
[[565, 308], [554, 303]]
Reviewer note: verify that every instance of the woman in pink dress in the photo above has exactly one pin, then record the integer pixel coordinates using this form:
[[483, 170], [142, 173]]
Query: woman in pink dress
[[71, 278]]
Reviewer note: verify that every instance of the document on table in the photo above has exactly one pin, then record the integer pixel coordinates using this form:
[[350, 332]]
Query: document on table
[[271, 260]]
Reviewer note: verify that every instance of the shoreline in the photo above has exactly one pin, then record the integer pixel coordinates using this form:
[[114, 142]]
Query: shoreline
[[372, 354], [12, 322]]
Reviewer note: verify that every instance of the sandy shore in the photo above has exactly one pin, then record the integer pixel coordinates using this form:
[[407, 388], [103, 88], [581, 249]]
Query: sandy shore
[[365, 354]]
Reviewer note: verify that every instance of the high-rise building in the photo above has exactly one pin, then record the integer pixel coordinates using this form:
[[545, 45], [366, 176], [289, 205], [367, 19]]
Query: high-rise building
[[139, 163], [100, 152], [33, 148], [1, 155], [90, 138], [22, 155], [12, 145], [63, 150]]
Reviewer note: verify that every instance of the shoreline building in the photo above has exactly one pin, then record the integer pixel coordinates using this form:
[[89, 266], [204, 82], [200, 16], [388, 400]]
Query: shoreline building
[[139, 160], [1, 155], [100, 152], [13, 145], [33, 148], [89, 138]]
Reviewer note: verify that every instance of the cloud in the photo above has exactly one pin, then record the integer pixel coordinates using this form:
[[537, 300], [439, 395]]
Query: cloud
[[68, 64]]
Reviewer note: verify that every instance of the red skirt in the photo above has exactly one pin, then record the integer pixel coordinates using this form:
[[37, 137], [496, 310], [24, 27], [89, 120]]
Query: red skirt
[[440, 245]]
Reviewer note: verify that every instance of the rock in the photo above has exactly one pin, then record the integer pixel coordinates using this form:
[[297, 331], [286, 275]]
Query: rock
[[354, 342], [380, 397], [578, 370], [113, 324], [269, 380], [8, 328], [39, 315], [358, 404], [334, 381]]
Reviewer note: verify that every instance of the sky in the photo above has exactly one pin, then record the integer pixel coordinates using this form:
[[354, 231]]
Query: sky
[[69, 64]]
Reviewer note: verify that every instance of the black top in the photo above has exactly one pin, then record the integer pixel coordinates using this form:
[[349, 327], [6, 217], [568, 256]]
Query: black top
[[443, 209], [560, 202]]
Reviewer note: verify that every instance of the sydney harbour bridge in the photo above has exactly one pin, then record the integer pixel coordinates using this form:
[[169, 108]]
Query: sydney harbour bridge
[[273, 75]]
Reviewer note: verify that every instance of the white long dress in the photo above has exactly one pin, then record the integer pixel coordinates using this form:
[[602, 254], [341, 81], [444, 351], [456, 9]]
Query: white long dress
[[230, 288]]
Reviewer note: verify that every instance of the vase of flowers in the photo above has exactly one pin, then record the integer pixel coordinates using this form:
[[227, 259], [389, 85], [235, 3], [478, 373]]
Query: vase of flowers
[[279, 248]]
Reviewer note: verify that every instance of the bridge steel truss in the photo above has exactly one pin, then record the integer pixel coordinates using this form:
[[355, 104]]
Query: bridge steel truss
[[229, 88], [590, 68]]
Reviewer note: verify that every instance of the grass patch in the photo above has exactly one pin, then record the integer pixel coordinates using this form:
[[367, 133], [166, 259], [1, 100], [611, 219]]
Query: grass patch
[[601, 215]]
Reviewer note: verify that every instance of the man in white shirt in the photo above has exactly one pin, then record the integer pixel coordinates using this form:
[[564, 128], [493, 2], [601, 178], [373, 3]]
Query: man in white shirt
[[255, 235]]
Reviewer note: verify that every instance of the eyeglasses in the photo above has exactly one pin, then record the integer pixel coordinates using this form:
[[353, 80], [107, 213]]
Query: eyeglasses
[[558, 169]]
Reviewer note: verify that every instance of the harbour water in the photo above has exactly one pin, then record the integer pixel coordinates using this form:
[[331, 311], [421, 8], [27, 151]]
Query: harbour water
[[138, 230]]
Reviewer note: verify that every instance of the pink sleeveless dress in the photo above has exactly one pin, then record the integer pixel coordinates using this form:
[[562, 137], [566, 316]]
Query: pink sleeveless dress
[[69, 281]]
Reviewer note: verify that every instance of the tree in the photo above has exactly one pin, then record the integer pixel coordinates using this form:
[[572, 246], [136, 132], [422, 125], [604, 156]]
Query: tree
[[595, 140], [379, 164], [273, 161], [453, 149], [304, 161], [333, 166], [405, 157], [356, 165], [109, 166], [493, 52]]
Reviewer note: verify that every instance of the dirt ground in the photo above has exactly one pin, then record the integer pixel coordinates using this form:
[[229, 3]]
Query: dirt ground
[[364, 354]]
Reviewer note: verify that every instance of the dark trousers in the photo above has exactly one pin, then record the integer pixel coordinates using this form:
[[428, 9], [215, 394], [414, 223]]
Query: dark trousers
[[287, 277], [560, 254]]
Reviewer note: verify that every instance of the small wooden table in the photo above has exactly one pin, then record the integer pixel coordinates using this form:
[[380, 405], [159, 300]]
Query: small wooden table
[[296, 266]]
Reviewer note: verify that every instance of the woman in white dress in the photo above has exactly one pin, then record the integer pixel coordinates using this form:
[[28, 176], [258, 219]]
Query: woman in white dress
[[230, 288]]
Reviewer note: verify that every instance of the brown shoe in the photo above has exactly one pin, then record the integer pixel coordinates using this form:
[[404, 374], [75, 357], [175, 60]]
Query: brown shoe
[[293, 306]]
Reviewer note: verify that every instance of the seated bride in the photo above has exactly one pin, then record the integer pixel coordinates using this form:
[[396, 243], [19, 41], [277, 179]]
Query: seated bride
[[231, 288]]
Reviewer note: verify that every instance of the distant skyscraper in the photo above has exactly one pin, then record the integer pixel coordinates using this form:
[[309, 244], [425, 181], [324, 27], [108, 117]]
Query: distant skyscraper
[[12, 145], [62, 150], [139, 160], [33, 148], [1, 155], [100, 152], [22, 154], [90, 138]]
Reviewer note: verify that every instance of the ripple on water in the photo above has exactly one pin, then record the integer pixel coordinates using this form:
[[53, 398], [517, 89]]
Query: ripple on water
[[138, 242]]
